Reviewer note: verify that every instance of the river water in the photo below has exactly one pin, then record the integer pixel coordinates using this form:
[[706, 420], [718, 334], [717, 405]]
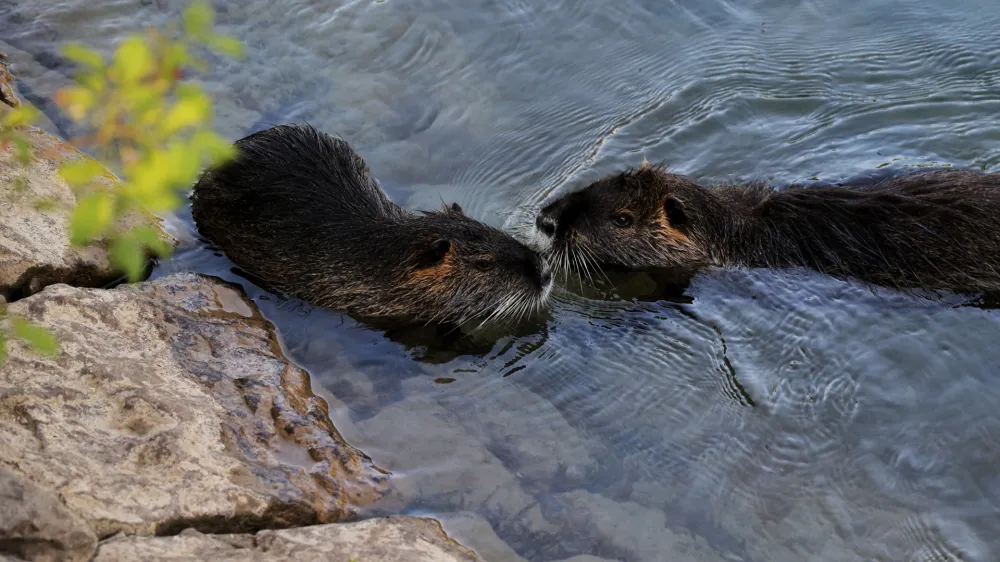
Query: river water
[[758, 416]]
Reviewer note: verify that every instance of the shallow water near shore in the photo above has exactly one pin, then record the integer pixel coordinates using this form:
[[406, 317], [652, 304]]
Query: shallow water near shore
[[758, 416]]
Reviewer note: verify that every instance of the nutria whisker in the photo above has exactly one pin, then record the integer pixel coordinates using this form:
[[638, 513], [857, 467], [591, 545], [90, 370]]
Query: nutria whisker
[[301, 212], [933, 230]]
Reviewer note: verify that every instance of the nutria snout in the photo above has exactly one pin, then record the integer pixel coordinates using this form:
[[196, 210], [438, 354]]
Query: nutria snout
[[922, 230], [300, 211]]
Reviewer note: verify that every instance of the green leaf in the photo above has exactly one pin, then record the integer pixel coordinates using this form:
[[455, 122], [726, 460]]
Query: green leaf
[[83, 55], [149, 237], [37, 337], [75, 100], [228, 45], [92, 216], [214, 148], [128, 257], [175, 56], [198, 20], [23, 114], [78, 173], [133, 60], [189, 111]]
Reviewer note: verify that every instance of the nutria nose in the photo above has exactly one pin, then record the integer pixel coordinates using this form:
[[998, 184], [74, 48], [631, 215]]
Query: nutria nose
[[546, 224]]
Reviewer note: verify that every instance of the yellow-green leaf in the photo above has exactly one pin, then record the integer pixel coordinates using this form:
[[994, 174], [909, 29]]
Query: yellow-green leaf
[[128, 257], [187, 112], [3, 348], [37, 337], [83, 55], [76, 101], [228, 45], [133, 60], [149, 183], [214, 148], [151, 238], [92, 216], [95, 82], [81, 172], [24, 114], [174, 56], [198, 20]]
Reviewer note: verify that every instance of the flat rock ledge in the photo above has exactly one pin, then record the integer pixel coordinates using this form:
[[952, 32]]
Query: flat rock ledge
[[389, 539], [171, 412], [34, 244]]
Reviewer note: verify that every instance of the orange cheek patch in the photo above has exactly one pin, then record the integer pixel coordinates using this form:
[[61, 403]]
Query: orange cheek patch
[[433, 278], [672, 235]]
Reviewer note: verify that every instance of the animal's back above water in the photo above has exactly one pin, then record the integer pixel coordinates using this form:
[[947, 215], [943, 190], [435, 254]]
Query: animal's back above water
[[300, 212], [930, 229], [934, 230], [283, 195]]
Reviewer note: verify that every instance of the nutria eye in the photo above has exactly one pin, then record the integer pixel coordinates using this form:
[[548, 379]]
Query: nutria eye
[[622, 220], [484, 265]]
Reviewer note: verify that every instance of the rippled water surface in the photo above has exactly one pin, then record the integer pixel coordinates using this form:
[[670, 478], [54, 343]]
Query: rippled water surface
[[758, 416]]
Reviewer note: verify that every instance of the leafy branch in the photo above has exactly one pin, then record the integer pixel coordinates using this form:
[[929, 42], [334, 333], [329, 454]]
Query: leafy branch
[[141, 119]]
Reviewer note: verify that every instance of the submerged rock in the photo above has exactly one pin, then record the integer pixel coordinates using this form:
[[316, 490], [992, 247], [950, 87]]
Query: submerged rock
[[35, 250], [389, 539], [172, 406]]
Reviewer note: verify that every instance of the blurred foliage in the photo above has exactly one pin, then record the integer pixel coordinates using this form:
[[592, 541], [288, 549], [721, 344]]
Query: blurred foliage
[[140, 118]]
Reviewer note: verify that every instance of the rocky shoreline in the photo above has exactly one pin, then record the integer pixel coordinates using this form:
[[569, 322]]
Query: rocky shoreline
[[171, 426]]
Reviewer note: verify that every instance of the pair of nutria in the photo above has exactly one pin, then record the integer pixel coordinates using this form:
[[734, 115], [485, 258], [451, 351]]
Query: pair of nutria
[[301, 213]]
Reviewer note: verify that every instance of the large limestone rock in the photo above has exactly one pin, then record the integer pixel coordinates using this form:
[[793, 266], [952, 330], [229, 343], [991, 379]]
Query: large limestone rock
[[172, 406], [390, 539], [35, 525], [34, 243]]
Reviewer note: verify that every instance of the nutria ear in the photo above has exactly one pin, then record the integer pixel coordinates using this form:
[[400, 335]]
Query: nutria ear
[[456, 208], [435, 252], [673, 209]]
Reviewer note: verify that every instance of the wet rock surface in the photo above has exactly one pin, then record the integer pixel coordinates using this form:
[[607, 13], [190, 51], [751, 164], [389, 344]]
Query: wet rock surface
[[390, 539], [171, 406]]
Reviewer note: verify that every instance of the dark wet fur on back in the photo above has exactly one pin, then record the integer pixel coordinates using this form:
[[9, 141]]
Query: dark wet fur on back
[[300, 211], [922, 230]]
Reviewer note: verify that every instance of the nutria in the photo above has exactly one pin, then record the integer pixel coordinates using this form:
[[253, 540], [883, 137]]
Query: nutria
[[934, 230], [300, 212]]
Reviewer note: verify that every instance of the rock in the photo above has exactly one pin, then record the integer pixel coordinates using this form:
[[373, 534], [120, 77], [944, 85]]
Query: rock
[[585, 558], [35, 525], [452, 470], [34, 244], [476, 532], [8, 95], [631, 531], [172, 406], [390, 539]]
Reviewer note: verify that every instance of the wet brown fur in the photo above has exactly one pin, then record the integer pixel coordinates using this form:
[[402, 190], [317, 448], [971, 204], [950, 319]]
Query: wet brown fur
[[301, 213], [935, 229]]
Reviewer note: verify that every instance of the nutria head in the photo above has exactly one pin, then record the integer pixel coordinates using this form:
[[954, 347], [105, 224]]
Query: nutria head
[[459, 269], [637, 219]]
